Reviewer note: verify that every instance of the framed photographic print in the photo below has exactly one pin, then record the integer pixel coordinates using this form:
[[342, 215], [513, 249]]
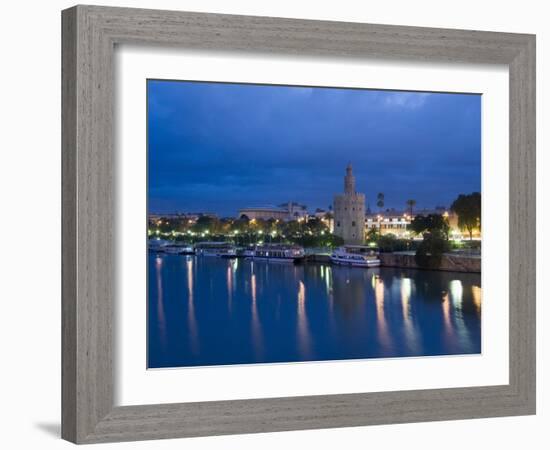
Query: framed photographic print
[[278, 224]]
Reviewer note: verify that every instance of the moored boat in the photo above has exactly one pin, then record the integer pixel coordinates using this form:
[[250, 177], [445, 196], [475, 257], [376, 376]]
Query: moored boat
[[277, 253], [157, 245], [218, 249], [355, 255], [248, 252], [179, 249]]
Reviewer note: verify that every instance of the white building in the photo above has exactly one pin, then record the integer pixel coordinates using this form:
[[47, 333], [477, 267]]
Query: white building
[[285, 212], [389, 222]]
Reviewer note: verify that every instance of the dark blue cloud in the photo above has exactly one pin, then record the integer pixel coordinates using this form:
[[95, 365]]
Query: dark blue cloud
[[219, 147]]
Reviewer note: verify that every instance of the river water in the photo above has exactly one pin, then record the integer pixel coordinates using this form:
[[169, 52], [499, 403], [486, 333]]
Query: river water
[[208, 311]]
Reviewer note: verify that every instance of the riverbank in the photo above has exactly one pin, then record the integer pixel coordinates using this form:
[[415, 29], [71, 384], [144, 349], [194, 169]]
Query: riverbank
[[449, 262], [406, 260]]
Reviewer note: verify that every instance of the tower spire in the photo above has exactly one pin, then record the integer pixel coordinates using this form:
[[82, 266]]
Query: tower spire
[[349, 180]]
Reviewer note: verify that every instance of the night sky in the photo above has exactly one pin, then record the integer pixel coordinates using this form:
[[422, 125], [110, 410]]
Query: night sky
[[217, 147]]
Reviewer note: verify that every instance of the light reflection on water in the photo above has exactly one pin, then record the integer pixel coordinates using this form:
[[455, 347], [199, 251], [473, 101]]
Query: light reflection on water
[[303, 327], [411, 337], [191, 319], [383, 334], [238, 312], [457, 296], [161, 321], [476, 294], [257, 337]]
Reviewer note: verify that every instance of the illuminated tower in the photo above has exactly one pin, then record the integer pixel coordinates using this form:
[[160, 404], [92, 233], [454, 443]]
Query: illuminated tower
[[349, 212]]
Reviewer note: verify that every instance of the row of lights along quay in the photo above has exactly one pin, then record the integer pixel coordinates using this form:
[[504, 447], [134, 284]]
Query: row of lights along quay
[[348, 222]]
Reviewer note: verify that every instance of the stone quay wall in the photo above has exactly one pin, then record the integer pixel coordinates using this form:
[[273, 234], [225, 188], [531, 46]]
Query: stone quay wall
[[450, 263]]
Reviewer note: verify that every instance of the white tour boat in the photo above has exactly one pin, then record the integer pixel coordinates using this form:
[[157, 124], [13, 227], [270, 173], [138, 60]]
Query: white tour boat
[[278, 252], [218, 249], [355, 255]]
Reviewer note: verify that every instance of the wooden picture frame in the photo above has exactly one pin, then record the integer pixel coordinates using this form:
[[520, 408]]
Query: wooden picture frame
[[89, 36]]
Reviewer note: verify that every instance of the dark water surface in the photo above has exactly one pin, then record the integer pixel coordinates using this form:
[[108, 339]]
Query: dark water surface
[[209, 311]]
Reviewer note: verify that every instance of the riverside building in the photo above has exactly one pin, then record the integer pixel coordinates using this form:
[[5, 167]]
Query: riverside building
[[284, 212]]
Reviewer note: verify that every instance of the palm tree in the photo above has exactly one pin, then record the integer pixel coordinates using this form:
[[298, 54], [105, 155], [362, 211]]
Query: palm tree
[[411, 204]]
